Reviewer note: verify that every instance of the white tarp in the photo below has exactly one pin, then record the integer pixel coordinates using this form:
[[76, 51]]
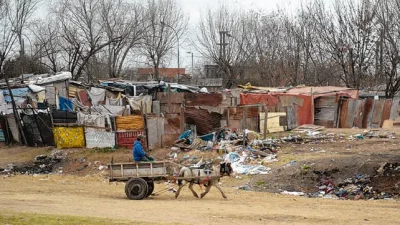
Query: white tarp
[[100, 139], [58, 77], [35, 88], [138, 102], [93, 121], [97, 95], [238, 166]]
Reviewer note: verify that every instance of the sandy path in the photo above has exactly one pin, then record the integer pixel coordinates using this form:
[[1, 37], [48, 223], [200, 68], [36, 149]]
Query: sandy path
[[69, 195]]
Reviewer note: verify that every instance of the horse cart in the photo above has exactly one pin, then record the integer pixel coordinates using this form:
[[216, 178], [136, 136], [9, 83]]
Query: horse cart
[[139, 177]]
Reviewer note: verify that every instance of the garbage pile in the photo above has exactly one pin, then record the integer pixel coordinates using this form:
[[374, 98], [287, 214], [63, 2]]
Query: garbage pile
[[246, 152], [354, 188], [42, 164], [321, 137], [361, 186]]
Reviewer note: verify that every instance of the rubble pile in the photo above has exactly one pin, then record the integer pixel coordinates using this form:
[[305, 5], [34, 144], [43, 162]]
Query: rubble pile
[[361, 186], [42, 164], [246, 152]]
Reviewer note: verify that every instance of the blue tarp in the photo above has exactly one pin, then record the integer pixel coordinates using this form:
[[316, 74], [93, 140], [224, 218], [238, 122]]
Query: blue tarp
[[185, 134], [207, 137], [18, 93], [65, 104], [2, 138]]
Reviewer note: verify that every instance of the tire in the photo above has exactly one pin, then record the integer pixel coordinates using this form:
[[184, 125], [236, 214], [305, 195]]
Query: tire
[[136, 188], [150, 189]]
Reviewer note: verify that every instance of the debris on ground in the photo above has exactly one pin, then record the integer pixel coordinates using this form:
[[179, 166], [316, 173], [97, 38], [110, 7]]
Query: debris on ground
[[42, 164]]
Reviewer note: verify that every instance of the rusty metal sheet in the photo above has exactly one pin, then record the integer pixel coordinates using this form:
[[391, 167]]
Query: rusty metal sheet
[[168, 139], [174, 108], [237, 112], [175, 98], [343, 114], [325, 101], [291, 118], [205, 122], [368, 107], [325, 111], [394, 111], [359, 114], [172, 123], [252, 124], [376, 114], [203, 99], [350, 113], [387, 106]]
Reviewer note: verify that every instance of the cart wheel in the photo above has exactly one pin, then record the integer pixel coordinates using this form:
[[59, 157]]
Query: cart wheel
[[150, 190], [136, 188]]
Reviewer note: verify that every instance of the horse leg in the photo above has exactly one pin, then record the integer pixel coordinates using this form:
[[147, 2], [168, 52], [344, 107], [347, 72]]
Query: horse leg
[[179, 190], [191, 188], [207, 189], [219, 188]]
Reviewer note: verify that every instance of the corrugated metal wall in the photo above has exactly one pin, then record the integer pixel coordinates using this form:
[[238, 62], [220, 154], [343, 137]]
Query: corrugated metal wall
[[366, 113]]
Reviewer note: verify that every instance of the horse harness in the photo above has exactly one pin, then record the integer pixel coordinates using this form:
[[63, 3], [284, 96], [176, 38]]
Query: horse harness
[[207, 170]]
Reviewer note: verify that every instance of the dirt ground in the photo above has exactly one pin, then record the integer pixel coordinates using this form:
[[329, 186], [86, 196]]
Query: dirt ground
[[95, 197], [82, 190]]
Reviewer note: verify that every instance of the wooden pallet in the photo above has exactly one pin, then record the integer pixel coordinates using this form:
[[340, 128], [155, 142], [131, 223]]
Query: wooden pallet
[[308, 127]]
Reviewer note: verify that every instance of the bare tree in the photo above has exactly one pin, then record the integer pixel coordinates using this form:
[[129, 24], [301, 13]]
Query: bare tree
[[223, 38], [388, 51], [165, 24], [348, 37], [14, 15], [124, 29], [47, 43], [82, 33]]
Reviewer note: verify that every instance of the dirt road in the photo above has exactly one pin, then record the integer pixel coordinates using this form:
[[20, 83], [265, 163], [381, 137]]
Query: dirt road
[[95, 197]]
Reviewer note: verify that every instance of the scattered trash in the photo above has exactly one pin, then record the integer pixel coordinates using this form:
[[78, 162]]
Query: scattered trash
[[296, 193]]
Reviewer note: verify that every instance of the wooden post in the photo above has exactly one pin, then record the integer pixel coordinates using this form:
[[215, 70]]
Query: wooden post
[[169, 98], [244, 118], [265, 121], [16, 115], [312, 106], [227, 119], [182, 119]]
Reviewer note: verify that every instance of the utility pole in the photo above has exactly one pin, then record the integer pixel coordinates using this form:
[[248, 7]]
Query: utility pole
[[192, 61], [222, 43], [222, 47]]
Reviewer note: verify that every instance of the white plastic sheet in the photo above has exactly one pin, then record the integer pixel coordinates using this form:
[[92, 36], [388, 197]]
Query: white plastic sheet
[[99, 139]]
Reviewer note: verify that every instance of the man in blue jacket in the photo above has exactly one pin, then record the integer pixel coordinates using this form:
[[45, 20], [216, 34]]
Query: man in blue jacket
[[138, 152]]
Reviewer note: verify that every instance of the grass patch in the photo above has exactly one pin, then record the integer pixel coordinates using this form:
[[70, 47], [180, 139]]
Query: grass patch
[[21, 154], [34, 218], [260, 183], [104, 150]]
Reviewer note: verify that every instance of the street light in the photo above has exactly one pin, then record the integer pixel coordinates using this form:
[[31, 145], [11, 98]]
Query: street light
[[177, 37], [192, 61]]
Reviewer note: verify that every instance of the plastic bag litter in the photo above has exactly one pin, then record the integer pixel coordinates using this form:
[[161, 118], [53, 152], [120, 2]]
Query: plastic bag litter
[[297, 193], [232, 157], [239, 168]]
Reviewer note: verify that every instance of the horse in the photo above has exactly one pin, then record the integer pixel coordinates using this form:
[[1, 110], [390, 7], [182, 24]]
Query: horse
[[206, 176]]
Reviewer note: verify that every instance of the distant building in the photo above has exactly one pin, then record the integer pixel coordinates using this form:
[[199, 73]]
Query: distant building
[[212, 71], [166, 74]]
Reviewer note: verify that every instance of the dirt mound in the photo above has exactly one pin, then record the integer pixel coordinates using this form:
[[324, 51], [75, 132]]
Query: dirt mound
[[361, 176]]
